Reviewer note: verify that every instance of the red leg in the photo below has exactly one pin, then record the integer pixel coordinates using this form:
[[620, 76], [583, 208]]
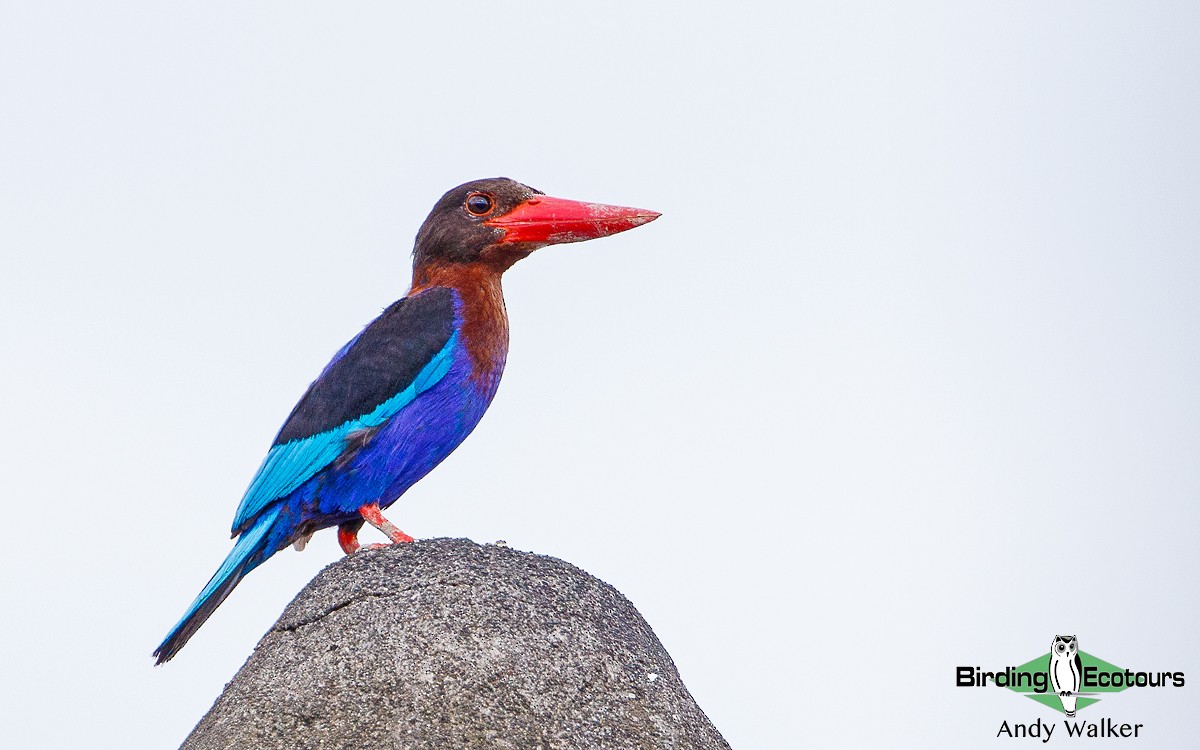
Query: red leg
[[348, 537], [375, 518]]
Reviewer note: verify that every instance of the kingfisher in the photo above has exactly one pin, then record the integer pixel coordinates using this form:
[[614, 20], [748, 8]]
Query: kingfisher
[[406, 391]]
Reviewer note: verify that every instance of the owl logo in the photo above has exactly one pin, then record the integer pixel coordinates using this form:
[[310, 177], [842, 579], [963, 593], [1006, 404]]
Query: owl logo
[[1066, 670]]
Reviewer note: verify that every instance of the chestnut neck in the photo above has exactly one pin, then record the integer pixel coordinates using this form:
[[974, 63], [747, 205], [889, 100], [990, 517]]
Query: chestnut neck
[[484, 318]]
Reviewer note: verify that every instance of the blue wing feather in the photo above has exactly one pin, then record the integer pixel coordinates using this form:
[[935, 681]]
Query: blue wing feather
[[291, 464]]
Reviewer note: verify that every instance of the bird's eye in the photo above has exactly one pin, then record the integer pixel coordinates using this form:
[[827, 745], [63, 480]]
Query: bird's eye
[[479, 203]]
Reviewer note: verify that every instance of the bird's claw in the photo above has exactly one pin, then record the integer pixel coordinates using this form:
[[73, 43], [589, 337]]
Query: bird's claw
[[374, 517], [348, 532]]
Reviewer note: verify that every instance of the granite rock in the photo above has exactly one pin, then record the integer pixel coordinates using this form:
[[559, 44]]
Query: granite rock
[[445, 643]]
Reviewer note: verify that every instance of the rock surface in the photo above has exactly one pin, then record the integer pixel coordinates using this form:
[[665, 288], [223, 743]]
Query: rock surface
[[445, 643]]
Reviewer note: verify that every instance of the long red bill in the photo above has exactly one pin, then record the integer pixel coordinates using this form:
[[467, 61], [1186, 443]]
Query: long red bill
[[551, 221]]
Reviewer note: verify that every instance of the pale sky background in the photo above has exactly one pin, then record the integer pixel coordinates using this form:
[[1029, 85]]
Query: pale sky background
[[905, 377]]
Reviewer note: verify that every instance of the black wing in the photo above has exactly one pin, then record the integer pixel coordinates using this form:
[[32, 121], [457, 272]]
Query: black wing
[[386, 359], [377, 364]]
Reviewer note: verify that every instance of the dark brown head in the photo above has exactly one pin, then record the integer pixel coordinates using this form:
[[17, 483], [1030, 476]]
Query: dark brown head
[[498, 221]]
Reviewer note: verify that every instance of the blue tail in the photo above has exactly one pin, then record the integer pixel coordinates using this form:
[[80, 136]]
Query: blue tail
[[243, 558]]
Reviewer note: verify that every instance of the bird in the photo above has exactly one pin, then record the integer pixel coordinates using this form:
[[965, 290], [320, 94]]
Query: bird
[[1066, 670], [400, 396]]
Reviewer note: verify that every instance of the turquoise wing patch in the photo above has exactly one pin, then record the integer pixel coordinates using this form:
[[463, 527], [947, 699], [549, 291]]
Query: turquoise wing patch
[[290, 465]]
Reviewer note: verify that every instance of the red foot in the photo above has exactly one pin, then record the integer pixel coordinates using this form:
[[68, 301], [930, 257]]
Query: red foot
[[375, 518], [348, 532], [348, 538]]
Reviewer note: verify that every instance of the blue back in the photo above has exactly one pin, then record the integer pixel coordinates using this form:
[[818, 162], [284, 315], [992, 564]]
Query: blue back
[[402, 355]]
